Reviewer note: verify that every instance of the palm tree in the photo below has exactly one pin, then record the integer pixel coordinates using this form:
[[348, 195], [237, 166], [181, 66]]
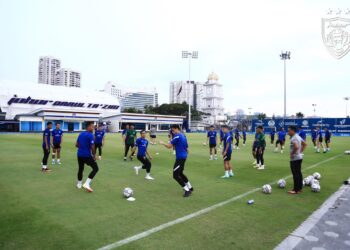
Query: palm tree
[[299, 115]]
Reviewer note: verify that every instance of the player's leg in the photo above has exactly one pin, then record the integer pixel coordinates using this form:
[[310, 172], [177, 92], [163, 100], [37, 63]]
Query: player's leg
[[148, 166], [258, 159], [229, 166], [80, 172], [237, 142], [210, 152], [127, 146], [177, 175], [216, 153], [58, 154], [282, 146], [226, 168], [254, 153], [299, 175], [262, 162], [44, 160], [295, 177], [276, 146], [53, 155], [92, 163]]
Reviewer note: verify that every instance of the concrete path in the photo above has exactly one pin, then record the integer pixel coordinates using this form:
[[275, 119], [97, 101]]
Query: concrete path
[[328, 228]]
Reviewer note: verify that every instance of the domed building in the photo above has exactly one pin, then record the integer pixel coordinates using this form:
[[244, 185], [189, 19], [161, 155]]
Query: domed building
[[213, 98]]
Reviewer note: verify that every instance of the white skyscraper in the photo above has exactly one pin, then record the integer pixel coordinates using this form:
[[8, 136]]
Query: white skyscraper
[[111, 88], [183, 91], [68, 78], [48, 67], [139, 99]]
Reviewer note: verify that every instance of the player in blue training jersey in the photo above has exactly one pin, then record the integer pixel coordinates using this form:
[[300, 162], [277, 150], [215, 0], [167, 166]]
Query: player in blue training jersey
[[237, 136], [141, 144], [86, 155], [244, 135], [302, 133], [254, 147], [227, 152], [272, 136], [327, 139], [57, 138], [46, 147], [181, 148], [212, 139], [314, 137], [222, 134], [319, 140], [281, 140], [99, 140]]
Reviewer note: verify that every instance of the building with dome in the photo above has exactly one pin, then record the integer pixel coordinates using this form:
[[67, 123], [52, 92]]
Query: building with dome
[[203, 96], [213, 99]]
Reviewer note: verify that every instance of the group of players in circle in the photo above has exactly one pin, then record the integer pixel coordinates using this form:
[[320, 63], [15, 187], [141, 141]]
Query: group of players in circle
[[88, 142]]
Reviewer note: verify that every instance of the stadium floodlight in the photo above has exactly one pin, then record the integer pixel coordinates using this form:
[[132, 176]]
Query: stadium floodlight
[[347, 98], [285, 56], [314, 105], [190, 55]]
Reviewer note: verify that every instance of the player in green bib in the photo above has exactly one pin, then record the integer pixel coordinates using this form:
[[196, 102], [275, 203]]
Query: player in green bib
[[260, 148], [130, 138]]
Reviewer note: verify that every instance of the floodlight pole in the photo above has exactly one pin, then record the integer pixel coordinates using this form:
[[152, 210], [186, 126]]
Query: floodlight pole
[[189, 55], [285, 56], [314, 105]]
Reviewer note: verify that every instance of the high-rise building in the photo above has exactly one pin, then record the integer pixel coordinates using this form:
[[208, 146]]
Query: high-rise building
[[206, 97], [111, 88], [68, 78], [139, 100], [185, 91], [48, 67]]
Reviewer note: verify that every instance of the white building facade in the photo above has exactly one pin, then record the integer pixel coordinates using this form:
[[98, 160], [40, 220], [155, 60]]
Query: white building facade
[[213, 99], [68, 78], [32, 105], [139, 100], [112, 89], [206, 97], [48, 68]]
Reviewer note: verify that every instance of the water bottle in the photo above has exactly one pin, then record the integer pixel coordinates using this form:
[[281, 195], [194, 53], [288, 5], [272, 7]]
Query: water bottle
[[250, 202]]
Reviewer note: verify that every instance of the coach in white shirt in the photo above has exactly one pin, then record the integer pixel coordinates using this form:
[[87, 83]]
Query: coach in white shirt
[[297, 146]]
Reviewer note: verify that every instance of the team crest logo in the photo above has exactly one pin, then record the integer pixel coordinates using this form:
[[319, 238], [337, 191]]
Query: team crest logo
[[271, 123], [305, 123], [342, 122], [336, 34], [281, 124]]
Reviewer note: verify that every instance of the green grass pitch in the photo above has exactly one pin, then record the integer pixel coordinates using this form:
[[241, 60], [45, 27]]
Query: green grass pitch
[[47, 211]]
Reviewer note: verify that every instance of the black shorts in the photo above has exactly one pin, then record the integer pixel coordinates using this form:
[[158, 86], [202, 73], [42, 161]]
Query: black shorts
[[97, 145], [320, 139], [212, 145], [153, 136], [179, 164], [56, 145], [227, 157], [86, 160], [255, 144], [328, 140]]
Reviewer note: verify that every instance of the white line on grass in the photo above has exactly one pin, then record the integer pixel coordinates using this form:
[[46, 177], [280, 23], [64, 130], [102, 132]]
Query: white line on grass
[[195, 214]]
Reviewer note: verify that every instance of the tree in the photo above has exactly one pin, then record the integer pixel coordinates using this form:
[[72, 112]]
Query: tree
[[180, 109], [299, 115], [132, 110], [261, 116]]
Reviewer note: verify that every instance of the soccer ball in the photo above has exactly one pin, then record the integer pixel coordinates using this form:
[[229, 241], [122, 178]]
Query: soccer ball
[[308, 180], [314, 181], [317, 176], [282, 183], [315, 187], [128, 192], [267, 189]]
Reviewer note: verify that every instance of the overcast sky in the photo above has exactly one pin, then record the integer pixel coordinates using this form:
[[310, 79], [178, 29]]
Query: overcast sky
[[139, 43]]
